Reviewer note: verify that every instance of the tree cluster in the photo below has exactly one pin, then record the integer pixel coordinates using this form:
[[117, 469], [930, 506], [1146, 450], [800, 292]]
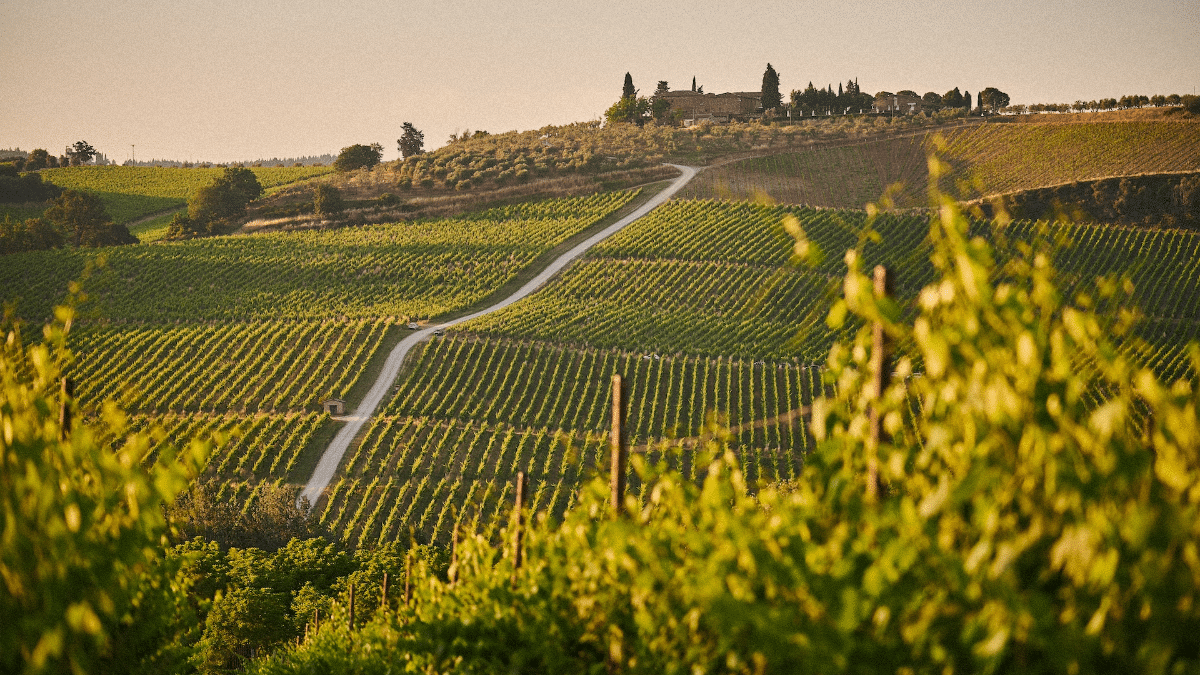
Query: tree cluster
[[38, 158], [75, 218], [215, 209], [17, 187], [1129, 101], [358, 157], [813, 101], [630, 108]]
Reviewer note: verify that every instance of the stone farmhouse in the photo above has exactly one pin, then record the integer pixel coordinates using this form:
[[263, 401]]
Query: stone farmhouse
[[900, 104], [692, 106]]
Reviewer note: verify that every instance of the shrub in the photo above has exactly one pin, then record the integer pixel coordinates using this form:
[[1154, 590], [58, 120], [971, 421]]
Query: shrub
[[388, 199], [83, 221], [327, 200], [358, 157]]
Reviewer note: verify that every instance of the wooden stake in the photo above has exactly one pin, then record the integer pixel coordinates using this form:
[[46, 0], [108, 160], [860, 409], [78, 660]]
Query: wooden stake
[[879, 373], [620, 445], [66, 393], [407, 578], [453, 571], [383, 596], [351, 622], [520, 518], [316, 621]]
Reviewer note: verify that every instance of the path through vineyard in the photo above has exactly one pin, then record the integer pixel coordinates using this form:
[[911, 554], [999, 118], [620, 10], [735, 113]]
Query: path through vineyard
[[332, 457]]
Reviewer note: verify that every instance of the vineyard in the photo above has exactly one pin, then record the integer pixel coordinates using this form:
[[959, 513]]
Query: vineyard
[[246, 335], [410, 270], [704, 306], [840, 176], [701, 308], [131, 192], [987, 159], [473, 412], [717, 278]]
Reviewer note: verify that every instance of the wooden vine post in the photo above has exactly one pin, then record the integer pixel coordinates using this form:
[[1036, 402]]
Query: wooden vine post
[[64, 407], [383, 594], [879, 379], [350, 623], [453, 571], [620, 445], [407, 579], [520, 518]]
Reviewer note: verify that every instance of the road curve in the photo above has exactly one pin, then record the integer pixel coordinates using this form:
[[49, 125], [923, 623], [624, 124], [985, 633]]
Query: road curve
[[332, 457]]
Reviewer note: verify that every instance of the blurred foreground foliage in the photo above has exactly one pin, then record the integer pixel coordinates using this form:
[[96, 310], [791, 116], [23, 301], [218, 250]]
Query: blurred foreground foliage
[[83, 584], [1037, 513]]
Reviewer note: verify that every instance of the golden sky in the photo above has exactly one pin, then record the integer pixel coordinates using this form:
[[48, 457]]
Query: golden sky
[[239, 80]]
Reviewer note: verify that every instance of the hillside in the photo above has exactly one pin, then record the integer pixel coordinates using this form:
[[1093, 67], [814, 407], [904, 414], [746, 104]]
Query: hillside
[[717, 314], [992, 158], [130, 194], [701, 304], [555, 161], [247, 334]]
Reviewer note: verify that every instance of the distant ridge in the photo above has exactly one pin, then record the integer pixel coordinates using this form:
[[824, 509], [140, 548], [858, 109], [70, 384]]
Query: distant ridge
[[307, 160]]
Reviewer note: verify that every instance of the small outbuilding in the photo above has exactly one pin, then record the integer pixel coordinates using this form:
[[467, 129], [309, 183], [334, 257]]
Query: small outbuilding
[[335, 406]]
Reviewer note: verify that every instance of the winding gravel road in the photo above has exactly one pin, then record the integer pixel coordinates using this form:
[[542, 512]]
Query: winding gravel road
[[332, 457]]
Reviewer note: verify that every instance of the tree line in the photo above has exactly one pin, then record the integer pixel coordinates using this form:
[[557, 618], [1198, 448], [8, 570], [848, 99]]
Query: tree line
[[1187, 102], [848, 98]]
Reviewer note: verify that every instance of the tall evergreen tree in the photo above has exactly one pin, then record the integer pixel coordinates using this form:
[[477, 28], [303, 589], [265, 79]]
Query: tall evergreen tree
[[771, 98], [693, 83], [967, 101], [412, 142], [628, 90]]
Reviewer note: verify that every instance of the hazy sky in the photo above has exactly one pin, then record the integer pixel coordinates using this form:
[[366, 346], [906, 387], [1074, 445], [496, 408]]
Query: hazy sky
[[237, 80]]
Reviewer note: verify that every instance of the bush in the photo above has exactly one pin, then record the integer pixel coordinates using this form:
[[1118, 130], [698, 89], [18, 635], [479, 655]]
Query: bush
[[34, 234], [83, 221], [327, 200], [388, 199], [216, 208], [358, 157]]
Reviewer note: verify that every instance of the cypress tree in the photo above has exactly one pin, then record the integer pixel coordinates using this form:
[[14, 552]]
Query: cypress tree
[[693, 83], [771, 98], [628, 90], [967, 101]]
